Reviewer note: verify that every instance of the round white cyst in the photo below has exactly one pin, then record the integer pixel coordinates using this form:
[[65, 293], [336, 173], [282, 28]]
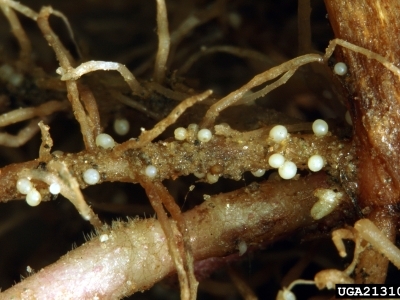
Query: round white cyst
[[204, 135], [121, 126], [278, 133], [276, 160], [258, 173], [24, 185], [315, 163], [54, 188], [105, 141], [211, 178], [151, 171], [347, 116], [180, 133], [320, 127], [91, 176], [33, 198], [340, 69], [288, 170]]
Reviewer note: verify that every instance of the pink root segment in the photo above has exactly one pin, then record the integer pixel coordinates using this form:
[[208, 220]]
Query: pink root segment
[[133, 256]]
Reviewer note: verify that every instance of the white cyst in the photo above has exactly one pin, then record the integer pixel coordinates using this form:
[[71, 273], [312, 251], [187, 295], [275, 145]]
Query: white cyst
[[180, 133], [288, 170], [211, 178], [121, 126], [33, 198], [91, 176], [315, 163], [151, 171], [54, 188], [204, 135], [24, 185], [258, 173], [320, 127], [340, 69], [105, 141], [278, 133], [276, 160]]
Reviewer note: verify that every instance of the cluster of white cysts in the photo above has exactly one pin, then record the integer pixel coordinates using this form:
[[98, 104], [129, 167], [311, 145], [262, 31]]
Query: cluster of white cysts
[[288, 169], [33, 197], [203, 135], [103, 140]]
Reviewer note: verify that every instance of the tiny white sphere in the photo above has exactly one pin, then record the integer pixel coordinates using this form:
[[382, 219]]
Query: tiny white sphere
[[121, 126], [320, 127], [276, 160], [24, 185], [278, 133], [54, 188], [33, 198], [180, 133], [258, 173], [91, 176], [105, 141], [151, 171], [211, 178], [347, 116], [315, 163], [340, 69], [288, 170], [204, 135]]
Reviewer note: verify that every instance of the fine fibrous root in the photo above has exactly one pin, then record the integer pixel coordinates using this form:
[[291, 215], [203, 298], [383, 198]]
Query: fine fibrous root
[[176, 214], [27, 113], [19, 33], [69, 73], [368, 53], [371, 233], [173, 240], [160, 65], [57, 172], [147, 136], [22, 136], [65, 59], [47, 143], [91, 107], [26, 11], [288, 67]]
